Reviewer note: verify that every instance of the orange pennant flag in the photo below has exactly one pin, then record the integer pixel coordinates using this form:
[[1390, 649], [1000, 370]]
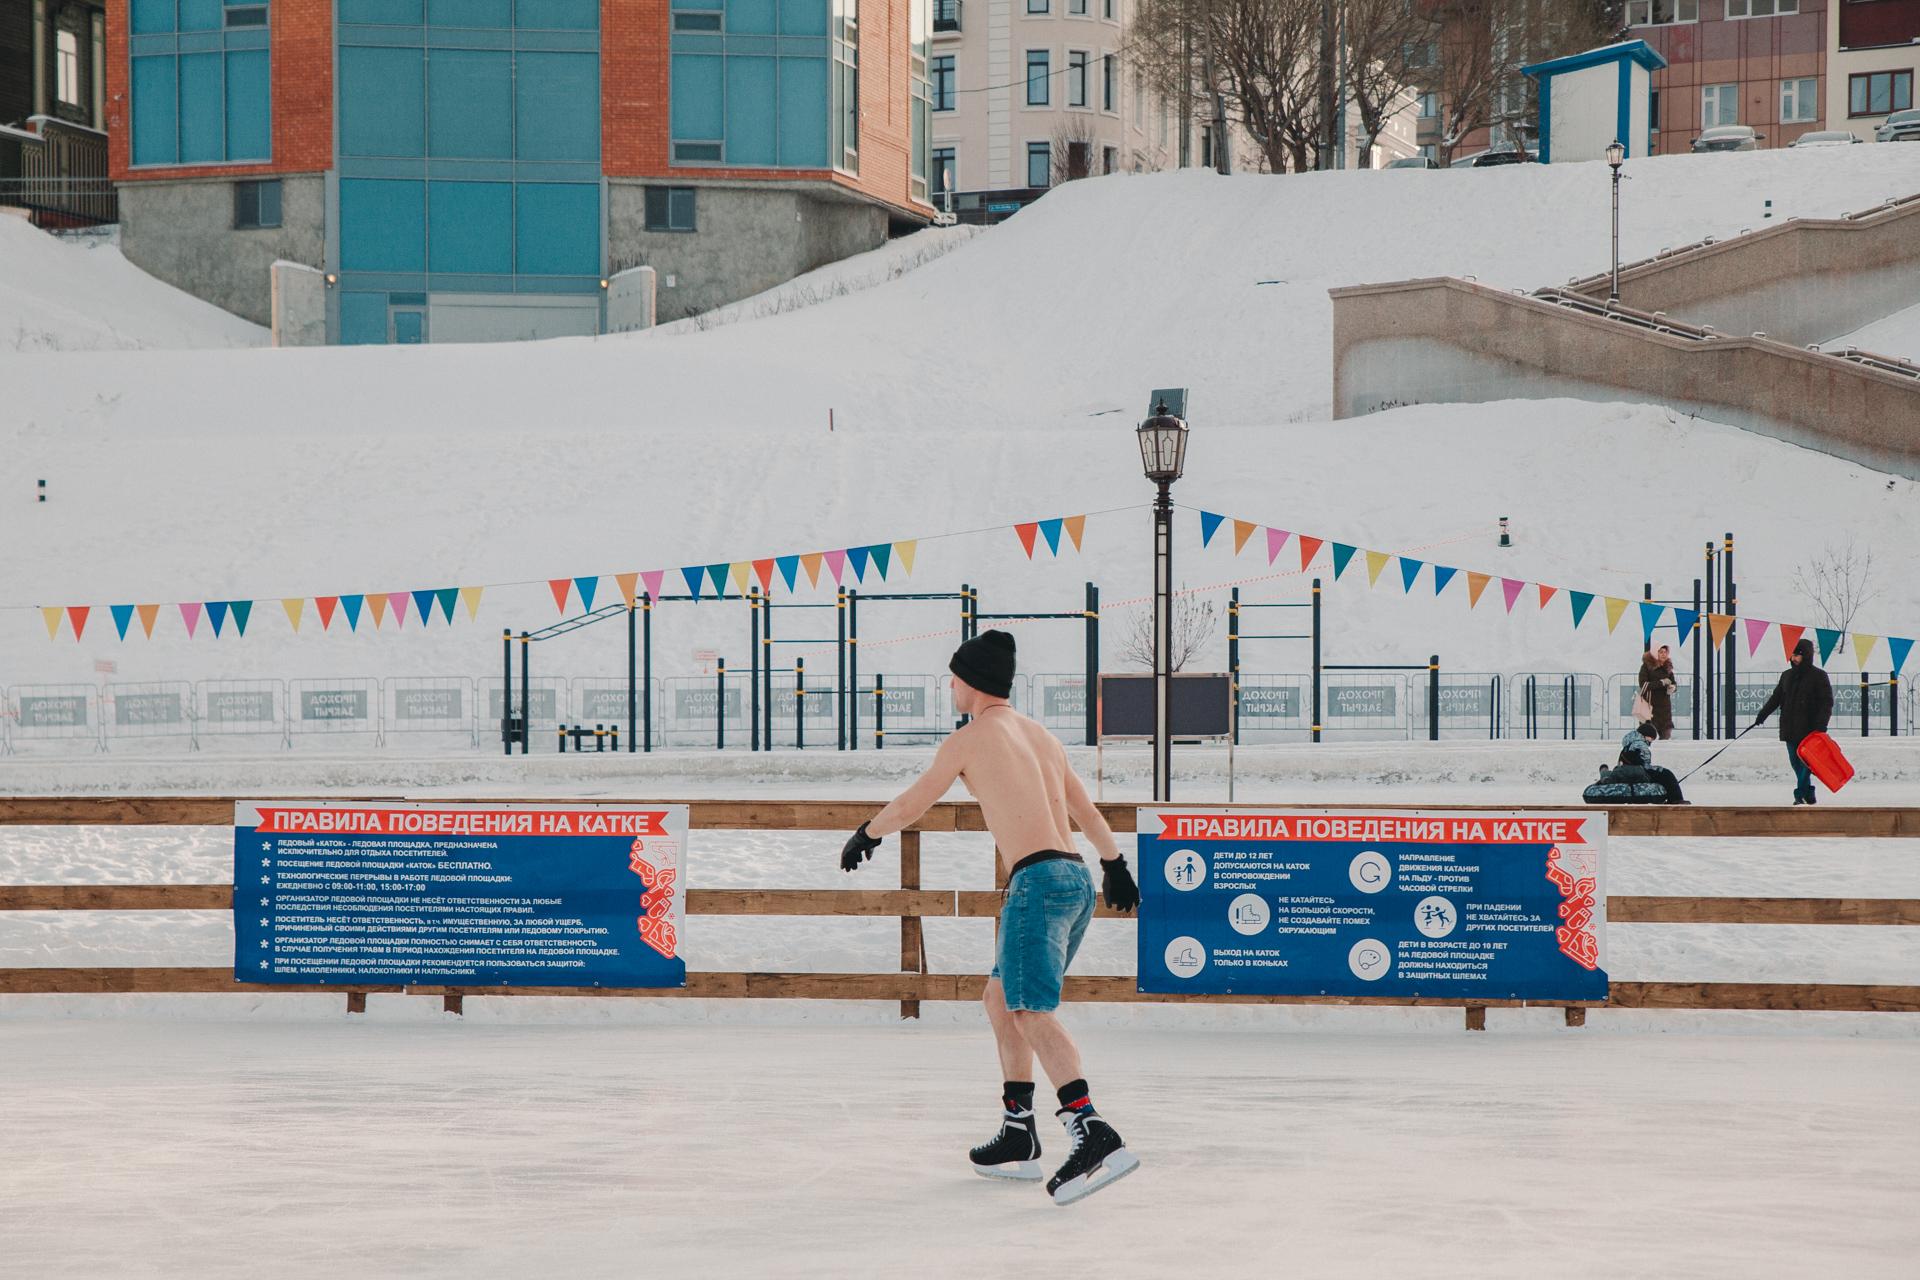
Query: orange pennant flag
[[561, 588], [628, 584], [1075, 526], [1027, 533], [1242, 530], [1615, 607], [1376, 561], [904, 553], [51, 615], [1476, 583], [1546, 593], [811, 563], [763, 570], [294, 605], [470, 596], [147, 612], [1789, 637], [1718, 624], [77, 615], [1309, 548], [377, 601]]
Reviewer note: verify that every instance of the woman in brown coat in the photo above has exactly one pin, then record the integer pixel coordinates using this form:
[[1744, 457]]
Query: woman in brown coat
[[1656, 686]]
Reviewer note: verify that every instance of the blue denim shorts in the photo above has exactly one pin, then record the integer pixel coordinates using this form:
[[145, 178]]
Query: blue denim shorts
[[1045, 916]]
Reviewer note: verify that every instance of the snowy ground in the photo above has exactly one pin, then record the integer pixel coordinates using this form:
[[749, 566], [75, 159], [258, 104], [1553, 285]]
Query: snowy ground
[[434, 1149], [1897, 335]]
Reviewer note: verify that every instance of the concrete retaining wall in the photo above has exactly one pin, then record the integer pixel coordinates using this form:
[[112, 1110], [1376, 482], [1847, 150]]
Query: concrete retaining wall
[[183, 233], [1450, 341], [299, 305], [1802, 281], [631, 299]]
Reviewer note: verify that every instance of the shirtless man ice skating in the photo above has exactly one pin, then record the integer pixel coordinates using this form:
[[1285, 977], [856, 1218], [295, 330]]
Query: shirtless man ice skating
[[1018, 772]]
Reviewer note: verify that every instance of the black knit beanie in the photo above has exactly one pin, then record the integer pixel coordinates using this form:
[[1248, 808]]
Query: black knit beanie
[[986, 663]]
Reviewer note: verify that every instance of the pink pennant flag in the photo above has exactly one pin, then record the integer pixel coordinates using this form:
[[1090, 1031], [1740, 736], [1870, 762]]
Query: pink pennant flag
[[190, 614], [651, 581], [836, 562], [1513, 587], [1276, 539], [397, 602], [1756, 632]]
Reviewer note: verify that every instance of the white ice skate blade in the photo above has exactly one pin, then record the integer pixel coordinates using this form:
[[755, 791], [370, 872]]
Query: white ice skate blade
[[1012, 1170], [1112, 1169]]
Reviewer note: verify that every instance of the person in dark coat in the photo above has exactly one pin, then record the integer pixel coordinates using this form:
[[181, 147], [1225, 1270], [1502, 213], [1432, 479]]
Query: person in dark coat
[[1656, 686], [1804, 699]]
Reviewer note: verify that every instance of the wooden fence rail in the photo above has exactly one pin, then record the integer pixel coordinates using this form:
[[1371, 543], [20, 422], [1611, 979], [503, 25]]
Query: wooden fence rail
[[912, 904]]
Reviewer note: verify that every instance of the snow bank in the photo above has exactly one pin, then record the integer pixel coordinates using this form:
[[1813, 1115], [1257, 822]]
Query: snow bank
[[1896, 335]]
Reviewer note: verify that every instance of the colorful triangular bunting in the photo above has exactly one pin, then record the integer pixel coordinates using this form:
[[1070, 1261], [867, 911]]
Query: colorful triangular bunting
[[1686, 621], [1579, 602], [1050, 530], [1441, 577], [717, 577], [325, 605], [1898, 648], [448, 597], [1076, 527], [148, 612], [1209, 525], [470, 597], [1027, 532], [654, 580], [350, 605], [588, 587], [1649, 619], [397, 605], [1511, 588], [1242, 530], [1790, 637], [295, 606], [882, 556], [1342, 557], [52, 613], [629, 584], [1309, 548], [1546, 593], [1409, 570], [423, 605], [904, 552], [1276, 539], [1863, 648], [122, 617], [789, 566], [1718, 625], [562, 589], [217, 615], [811, 563], [1829, 640], [763, 570], [1756, 632], [857, 557], [77, 615], [377, 605], [1476, 583], [1615, 608], [837, 561], [190, 615], [241, 611]]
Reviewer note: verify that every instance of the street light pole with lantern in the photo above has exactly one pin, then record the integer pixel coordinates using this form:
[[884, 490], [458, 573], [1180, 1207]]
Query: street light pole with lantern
[[1616, 156], [1163, 456]]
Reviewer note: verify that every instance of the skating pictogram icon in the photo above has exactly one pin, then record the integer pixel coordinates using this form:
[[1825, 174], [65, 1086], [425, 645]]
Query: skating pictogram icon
[[1370, 871], [1185, 957], [1370, 959], [1249, 914], [1186, 870], [1435, 917]]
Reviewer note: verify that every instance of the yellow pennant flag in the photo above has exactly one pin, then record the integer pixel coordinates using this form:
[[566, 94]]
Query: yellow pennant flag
[[1376, 561], [811, 563], [377, 601], [903, 552], [629, 583], [1615, 607], [294, 605], [1242, 530], [470, 596], [147, 612], [1075, 526], [1863, 648], [738, 571], [1718, 624], [52, 613], [1476, 583]]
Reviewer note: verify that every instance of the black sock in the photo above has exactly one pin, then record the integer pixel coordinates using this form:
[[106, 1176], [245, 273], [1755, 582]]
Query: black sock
[[1017, 1095], [1074, 1096]]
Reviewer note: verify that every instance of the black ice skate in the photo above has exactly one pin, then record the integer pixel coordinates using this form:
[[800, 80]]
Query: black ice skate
[[1099, 1157], [1015, 1153]]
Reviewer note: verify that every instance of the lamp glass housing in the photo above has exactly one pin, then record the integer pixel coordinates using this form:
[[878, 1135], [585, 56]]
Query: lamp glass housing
[[1163, 446]]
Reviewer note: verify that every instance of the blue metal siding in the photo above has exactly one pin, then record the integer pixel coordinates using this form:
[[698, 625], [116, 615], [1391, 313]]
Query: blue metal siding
[[383, 225], [382, 101], [557, 106], [470, 104], [363, 318], [803, 112], [557, 230], [249, 105], [156, 118], [470, 227]]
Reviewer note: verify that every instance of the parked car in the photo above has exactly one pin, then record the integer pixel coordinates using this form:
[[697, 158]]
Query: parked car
[[1727, 137], [1825, 138], [1488, 159], [1413, 162], [1901, 126]]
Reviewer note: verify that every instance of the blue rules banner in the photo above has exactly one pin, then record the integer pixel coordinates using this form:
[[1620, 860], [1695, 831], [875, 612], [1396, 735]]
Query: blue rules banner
[[1459, 906], [390, 893]]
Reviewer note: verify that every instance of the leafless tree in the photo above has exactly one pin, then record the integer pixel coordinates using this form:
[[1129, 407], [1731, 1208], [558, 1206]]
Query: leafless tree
[[1194, 620], [1074, 142], [1837, 582], [1385, 56], [1480, 46]]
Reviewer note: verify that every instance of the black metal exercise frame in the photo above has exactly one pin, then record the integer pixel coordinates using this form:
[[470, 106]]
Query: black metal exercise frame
[[760, 607], [1234, 637], [850, 667], [1090, 615]]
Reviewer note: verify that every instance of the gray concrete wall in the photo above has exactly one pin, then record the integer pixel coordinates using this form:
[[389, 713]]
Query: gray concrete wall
[[631, 299], [299, 305], [183, 233], [1450, 341], [749, 238], [1803, 281]]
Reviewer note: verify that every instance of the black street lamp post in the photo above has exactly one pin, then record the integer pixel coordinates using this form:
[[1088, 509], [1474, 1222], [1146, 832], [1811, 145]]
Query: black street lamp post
[[1616, 156], [1163, 455]]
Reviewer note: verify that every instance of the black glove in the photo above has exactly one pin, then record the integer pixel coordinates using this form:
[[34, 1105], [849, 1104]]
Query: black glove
[[858, 849], [1117, 885]]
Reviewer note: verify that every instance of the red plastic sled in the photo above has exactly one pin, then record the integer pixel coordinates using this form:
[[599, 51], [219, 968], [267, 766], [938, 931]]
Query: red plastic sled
[[1821, 754]]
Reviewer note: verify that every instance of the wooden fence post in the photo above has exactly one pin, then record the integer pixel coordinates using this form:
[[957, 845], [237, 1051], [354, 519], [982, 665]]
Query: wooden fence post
[[453, 1002], [1476, 1017], [356, 1002], [913, 944]]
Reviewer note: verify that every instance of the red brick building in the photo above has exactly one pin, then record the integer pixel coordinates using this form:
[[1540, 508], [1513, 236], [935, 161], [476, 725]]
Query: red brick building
[[1754, 62]]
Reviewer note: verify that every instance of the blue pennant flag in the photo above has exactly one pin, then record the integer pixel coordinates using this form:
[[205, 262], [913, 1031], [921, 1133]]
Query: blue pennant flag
[[351, 605], [423, 605], [586, 587], [1441, 577], [882, 554], [1685, 620], [1209, 522], [216, 614], [242, 609], [1409, 570], [1897, 650], [788, 567], [1342, 557], [1829, 638], [692, 576], [122, 614], [1581, 602], [1050, 530], [857, 557], [447, 596], [1649, 619], [717, 575]]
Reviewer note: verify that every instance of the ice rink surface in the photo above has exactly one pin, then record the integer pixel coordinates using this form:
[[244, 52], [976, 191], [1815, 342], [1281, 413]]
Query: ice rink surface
[[324, 1148]]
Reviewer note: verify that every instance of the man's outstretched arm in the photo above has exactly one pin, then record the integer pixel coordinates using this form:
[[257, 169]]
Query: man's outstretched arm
[[1086, 815], [907, 807]]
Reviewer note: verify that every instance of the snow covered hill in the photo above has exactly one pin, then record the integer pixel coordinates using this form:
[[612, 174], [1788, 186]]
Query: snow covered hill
[[79, 294], [996, 384]]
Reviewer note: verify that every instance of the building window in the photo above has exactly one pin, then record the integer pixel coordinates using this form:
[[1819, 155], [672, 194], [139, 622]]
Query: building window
[[1109, 160], [1039, 163], [1653, 13], [943, 84], [1077, 7], [1719, 104], [1429, 104], [670, 209], [66, 67], [256, 204], [1076, 77], [1799, 102], [1038, 6], [1761, 8], [1106, 9], [1206, 146], [1039, 78], [252, 15], [1108, 83], [202, 98], [1653, 111], [1879, 92], [944, 173]]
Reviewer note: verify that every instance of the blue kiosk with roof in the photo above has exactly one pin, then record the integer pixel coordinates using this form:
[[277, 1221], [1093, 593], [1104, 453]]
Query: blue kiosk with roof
[[1588, 100]]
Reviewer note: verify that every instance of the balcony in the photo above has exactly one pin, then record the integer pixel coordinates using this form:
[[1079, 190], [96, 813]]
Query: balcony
[[946, 16]]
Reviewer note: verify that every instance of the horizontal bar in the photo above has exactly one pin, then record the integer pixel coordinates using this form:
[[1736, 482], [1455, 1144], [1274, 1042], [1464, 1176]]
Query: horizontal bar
[[982, 903], [1831, 997], [844, 815], [1308, 636], [1370, 666]]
